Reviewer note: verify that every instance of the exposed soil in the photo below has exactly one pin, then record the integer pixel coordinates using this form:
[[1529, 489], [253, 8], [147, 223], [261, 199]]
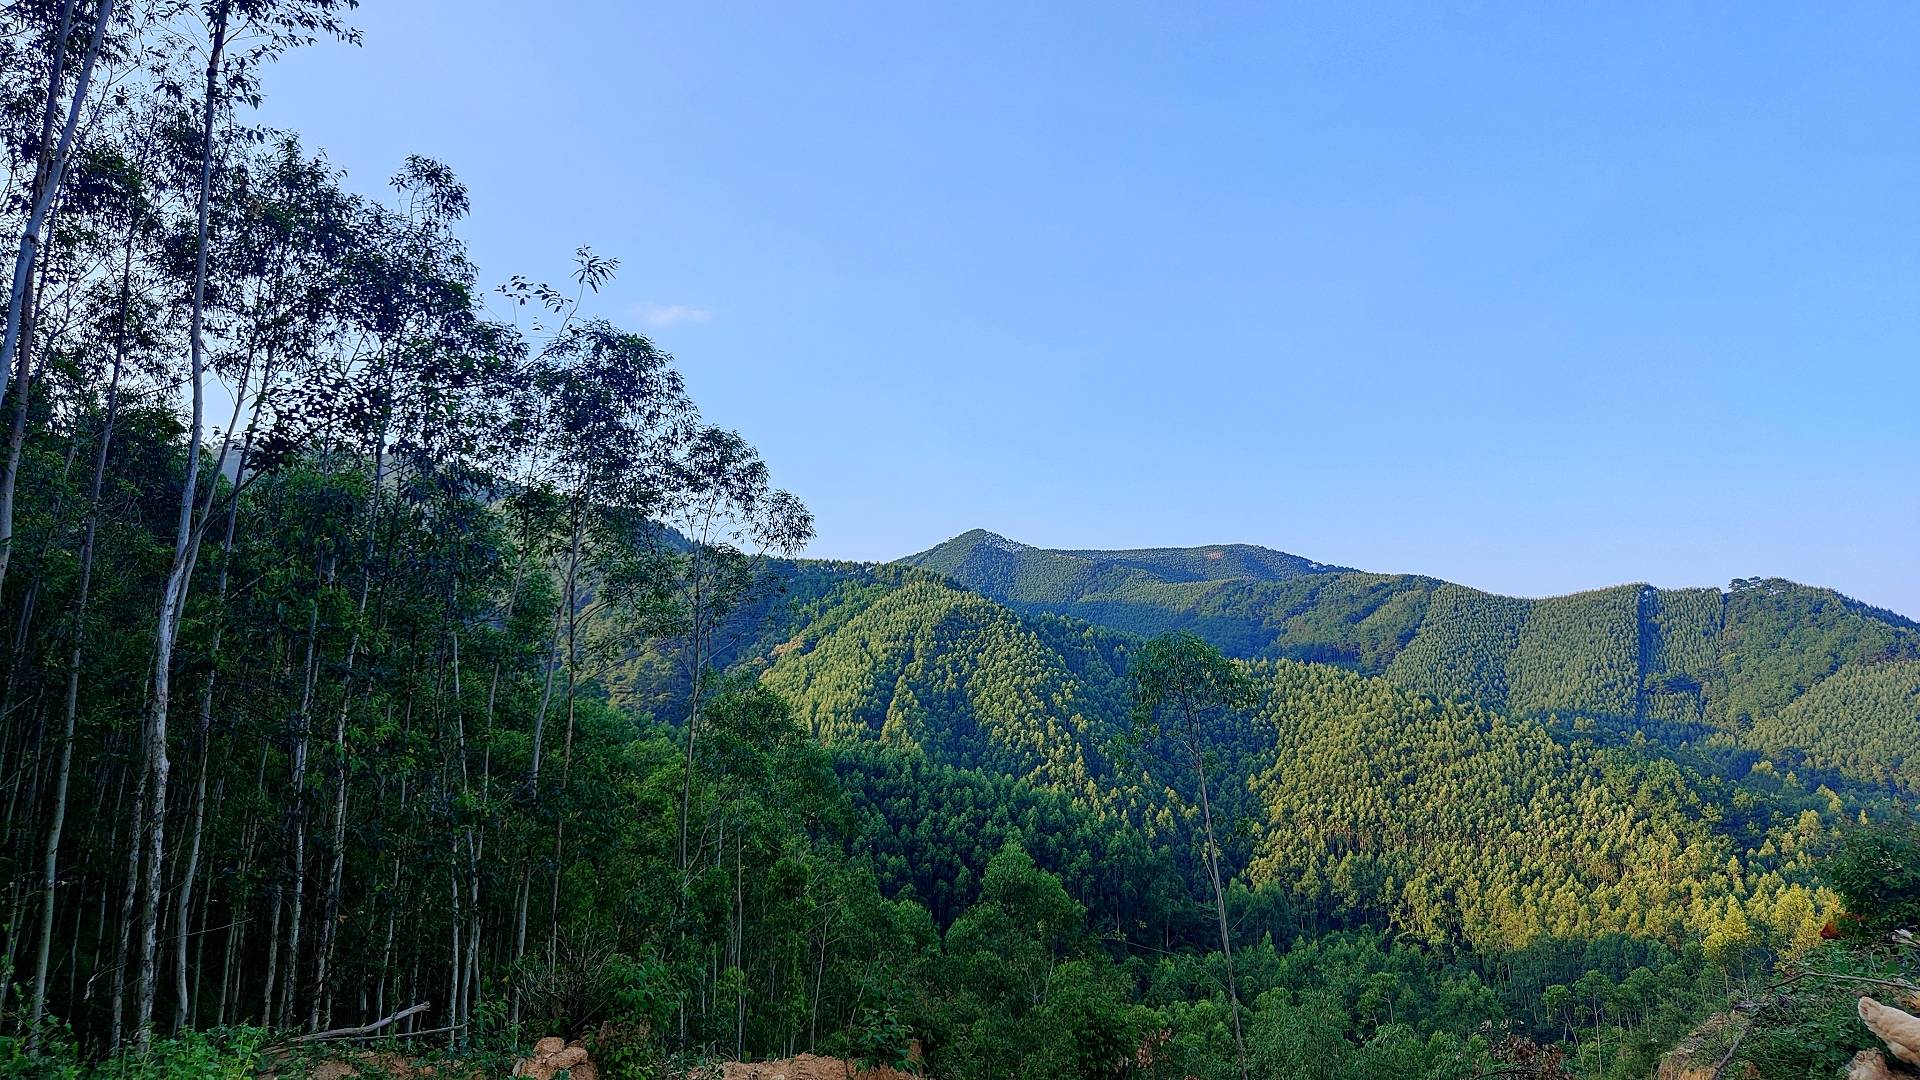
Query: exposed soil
[[802, 1067]]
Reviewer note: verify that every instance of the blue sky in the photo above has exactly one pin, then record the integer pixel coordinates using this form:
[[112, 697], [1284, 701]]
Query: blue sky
[[1530, 297]]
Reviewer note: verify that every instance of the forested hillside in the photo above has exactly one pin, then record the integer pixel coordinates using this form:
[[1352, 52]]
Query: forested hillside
[[1863, 721], [1680, 663], [1364, 804]]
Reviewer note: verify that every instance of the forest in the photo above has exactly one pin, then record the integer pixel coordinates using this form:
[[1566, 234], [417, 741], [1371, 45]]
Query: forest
[[399, 650]]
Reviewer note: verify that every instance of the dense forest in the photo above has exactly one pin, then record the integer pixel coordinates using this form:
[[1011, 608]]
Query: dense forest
[[395, 649]]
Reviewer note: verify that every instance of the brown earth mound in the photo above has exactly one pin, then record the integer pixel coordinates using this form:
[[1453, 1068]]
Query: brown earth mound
[[553, 1055]]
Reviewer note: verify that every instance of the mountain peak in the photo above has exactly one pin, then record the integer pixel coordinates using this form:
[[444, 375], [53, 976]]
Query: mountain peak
[[1049, 578], [986, 538]]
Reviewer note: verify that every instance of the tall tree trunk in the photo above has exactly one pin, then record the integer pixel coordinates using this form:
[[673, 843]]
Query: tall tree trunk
[[739, 953], [486, 772], [566, 745], [1219, 899], [173, 595], [468, 961], [336, 867], [239, 900], [64, 771], [129, 897], [456, 959], [533, 771], [184, 906], [330, 909], [296, 808], [572, 594], [696, 668], [271, 980]]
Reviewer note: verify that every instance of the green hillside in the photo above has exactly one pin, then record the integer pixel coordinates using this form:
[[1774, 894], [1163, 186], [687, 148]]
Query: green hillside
[[1441, 819], [931, 828], [1863, 721], [1633, 656], [1462, 646], [926, 666], [1360, 802]]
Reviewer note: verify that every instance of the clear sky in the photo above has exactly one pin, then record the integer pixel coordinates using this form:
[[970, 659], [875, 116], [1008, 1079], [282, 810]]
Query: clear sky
[[1531, 297]]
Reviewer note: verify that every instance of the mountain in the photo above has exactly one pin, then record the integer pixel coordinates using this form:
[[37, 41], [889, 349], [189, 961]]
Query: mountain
[[1451, 763], [1011, 571], [1251, 601], [1684, 664]]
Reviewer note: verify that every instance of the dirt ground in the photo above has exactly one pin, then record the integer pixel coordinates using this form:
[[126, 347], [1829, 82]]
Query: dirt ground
[[802, 1067]]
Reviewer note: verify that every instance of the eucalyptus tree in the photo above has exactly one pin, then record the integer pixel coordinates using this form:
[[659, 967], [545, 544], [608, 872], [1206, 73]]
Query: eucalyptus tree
[[283, 228], [241, 36], [446, 399], [732, 519], [1182, 687], [614, 409], [356, 320]]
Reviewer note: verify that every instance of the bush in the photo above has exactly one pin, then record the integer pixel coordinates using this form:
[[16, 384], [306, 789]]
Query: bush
[[1877, 872], [220, 1054]]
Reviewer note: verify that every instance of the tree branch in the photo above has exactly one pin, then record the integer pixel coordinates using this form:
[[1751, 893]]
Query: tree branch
[[363, 1029]]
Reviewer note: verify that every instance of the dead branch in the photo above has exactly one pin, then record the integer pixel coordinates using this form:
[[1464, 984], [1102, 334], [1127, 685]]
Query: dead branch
[[363, 1029]]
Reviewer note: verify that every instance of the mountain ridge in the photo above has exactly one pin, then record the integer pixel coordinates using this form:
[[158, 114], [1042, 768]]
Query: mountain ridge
[[953, 548], [1241, 560]]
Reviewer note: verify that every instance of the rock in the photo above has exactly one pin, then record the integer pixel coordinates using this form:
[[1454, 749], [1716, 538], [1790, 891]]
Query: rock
[[554, 1055], [1899, 1030]]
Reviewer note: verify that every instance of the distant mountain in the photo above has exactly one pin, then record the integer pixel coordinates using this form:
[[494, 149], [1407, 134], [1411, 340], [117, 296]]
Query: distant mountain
[[1683, 663], [1008, 570], [1239, 596]]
